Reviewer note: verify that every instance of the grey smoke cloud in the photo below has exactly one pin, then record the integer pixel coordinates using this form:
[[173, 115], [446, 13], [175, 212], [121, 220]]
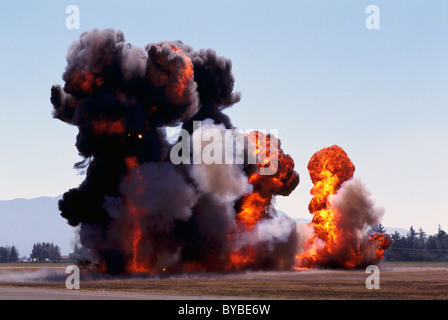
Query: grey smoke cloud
[[135, 207]]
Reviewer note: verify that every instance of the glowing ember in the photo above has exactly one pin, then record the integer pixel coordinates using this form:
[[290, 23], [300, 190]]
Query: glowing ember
[[108, 127]]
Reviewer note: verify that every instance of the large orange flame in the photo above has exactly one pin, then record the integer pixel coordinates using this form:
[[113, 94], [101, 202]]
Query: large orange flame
[[329, 168], [256, 206]]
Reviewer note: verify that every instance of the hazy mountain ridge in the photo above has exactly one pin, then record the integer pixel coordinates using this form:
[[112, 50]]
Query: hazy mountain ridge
[[24, 222]]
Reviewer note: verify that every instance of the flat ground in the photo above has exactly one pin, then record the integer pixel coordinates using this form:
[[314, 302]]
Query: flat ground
[[397, 281]]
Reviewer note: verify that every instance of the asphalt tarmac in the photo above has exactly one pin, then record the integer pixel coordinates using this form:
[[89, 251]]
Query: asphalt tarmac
[[25, 293]]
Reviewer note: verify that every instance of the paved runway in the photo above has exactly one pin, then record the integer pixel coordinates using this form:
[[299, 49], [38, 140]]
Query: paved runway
[[25, 293]]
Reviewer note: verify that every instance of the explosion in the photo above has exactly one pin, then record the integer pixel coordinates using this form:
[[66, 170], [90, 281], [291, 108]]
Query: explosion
[[343, 216], [138, 211]]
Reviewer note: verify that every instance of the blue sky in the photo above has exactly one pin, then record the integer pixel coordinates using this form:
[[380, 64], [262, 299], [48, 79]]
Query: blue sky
[[310, 69]]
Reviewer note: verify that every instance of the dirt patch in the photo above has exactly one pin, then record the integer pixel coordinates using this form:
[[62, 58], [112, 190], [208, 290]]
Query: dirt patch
[[396, 282]]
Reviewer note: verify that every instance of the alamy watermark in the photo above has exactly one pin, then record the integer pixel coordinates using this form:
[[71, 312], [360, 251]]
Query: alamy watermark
[[373, 280], [373, 20], [73, 280], [73, 20]]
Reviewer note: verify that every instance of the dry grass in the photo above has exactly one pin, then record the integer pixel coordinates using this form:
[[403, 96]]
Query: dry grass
[[397, 281]]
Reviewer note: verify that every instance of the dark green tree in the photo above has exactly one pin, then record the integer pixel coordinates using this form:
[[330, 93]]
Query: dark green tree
[[417, 246], [395, 237], [13, 254], [411, 236], [379, 228], [45, 250], [442, 236], [4, 254]]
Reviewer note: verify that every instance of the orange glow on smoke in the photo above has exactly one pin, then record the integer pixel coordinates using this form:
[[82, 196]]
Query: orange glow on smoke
[[185, 77], [85, 82], [131, 162], [135, 265], [176, 77], [132, 224], [108, 127]]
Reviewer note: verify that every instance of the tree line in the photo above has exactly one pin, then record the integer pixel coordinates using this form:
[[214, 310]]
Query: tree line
[[414, 246], [9, 254], [42, 251], [418, 246]]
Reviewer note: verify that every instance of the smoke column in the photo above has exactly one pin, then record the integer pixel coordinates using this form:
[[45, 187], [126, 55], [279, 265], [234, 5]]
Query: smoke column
[[137, 212]]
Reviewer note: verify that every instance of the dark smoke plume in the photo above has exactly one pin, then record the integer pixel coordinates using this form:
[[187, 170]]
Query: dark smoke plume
[[136, 210]]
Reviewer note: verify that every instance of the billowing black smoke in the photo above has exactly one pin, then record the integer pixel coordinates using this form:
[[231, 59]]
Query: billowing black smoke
[[137, 211]]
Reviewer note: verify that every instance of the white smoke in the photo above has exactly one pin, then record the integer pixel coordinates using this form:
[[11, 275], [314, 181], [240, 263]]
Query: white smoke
[[356, 209], [226, 182], [134, 60], [274, 231]]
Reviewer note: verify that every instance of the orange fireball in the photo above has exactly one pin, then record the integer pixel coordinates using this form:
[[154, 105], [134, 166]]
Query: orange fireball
[[333, 243], [255, 207]]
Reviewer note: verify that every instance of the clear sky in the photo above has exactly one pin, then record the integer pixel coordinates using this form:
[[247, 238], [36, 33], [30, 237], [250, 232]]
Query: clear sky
[[310, 69]]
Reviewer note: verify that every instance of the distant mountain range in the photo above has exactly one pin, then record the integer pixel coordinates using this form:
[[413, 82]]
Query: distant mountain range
[[24, 222]]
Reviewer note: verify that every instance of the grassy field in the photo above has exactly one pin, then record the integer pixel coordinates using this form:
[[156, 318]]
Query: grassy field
[[34, 264], [398, 280], [443, 264]]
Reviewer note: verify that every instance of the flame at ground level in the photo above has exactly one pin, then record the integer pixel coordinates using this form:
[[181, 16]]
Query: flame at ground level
[[333, 243]]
